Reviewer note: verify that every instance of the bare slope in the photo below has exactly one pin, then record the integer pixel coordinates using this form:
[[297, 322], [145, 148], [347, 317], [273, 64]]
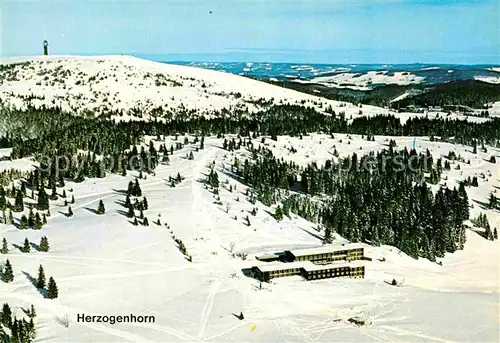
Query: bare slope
[[124, 83]]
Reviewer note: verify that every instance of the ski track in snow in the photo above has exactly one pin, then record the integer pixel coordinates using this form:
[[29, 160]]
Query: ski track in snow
[[207, 309]]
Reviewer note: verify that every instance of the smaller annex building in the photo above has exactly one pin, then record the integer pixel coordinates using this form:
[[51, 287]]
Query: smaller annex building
[[326, 254], [270, 271]]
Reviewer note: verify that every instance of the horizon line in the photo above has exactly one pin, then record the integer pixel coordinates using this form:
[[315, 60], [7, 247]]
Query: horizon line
[[159, 58]]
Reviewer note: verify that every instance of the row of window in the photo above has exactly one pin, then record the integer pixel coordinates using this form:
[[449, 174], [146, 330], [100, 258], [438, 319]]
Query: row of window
[[284, 272]]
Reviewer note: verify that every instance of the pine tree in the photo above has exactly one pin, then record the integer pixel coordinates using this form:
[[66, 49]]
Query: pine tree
[[145, 222], [31, 219], [23, 223], [137, 189], [44, 244], [26, 246], [495, 233], [100, 208], [54, 196], [7, 273], [327, 238], [38, 222], [135, 221], [70, 211], [5, 249], [3, 201], [131, 212], [40, 280], [493, 201], [72, 199], [19, 202], [44, 219], [32, 312], [474, 182], [10, 218], [6, 316], [279, 213], [52, 291], [488, 233], [145, 204], [43, 200]]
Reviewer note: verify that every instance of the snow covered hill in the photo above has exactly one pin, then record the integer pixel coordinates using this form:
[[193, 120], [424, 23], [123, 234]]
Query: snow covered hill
[[124, 83]]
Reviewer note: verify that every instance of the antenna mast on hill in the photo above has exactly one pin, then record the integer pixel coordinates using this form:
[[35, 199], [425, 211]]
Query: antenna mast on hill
[[45, 48]]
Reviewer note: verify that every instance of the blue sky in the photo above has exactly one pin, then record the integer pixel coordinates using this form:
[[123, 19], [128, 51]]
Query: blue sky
[[404, 31]]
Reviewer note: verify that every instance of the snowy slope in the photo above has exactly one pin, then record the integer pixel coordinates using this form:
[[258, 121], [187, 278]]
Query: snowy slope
[[106, 266], [365, 81], [104, 83]]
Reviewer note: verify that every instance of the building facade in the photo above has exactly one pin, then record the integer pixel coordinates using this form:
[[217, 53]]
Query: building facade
[[328, 261], [308, 271], [326, 254]]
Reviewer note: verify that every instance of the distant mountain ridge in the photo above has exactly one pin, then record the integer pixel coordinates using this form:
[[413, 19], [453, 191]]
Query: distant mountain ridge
[[356, 76]]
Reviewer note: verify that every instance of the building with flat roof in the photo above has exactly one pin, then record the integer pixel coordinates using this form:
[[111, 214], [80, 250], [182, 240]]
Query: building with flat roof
[[270, 271], [349, 269], [308, 270], [327, 253], [323, 254]]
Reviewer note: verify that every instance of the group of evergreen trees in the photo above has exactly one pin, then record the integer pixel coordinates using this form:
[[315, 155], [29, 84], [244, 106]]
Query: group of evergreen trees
[[482, 222], [380, 198], [63, 134], [51, 291], [21, 330], [7, 273], [134, 201], [26, 248]]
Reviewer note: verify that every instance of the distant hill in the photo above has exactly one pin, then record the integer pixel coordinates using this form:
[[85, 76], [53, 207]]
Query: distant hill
[[472, 93], [131, 88]]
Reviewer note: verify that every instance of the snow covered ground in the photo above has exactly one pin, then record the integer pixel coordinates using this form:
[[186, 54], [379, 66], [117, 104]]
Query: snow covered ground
[[100, 83], [364, 81], [489, 79], [79, 84], [104, 265]]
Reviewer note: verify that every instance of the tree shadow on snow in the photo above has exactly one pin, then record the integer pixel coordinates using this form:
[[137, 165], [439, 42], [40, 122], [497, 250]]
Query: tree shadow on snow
[[313, 234], [35, 246], [91, 210], [20, 248], [123, 213], [120, 202], [483, 205], [232, 175], [66, 214], [33, 281], [480, 232], [120, 191]]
